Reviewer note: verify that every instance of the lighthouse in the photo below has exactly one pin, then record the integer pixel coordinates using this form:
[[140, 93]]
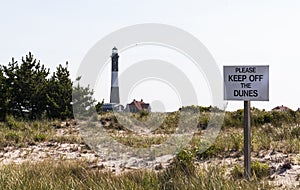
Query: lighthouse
[[114, 92]]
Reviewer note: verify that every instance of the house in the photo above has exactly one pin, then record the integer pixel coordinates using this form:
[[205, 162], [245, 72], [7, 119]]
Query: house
[[281, 108], [112, 107], [137, 106]]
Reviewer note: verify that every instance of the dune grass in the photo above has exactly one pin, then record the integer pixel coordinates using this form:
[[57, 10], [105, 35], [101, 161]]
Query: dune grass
[[77, 175], [268, 133], [21, 133]]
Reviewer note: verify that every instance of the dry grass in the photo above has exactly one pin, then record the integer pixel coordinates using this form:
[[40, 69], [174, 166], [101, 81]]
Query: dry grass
[[183, 174], [77, 175], [23, 133]]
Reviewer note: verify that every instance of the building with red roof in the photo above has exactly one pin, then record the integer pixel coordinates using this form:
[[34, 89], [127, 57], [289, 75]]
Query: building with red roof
[[281, 108], [137, 106]]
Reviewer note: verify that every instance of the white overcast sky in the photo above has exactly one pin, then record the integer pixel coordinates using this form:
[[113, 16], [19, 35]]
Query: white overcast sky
[[234, 31]]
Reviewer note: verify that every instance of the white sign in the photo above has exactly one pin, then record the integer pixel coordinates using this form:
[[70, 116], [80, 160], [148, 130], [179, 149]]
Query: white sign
[[246, 83]]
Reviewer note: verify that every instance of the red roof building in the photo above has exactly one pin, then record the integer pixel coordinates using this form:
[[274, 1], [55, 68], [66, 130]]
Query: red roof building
[[281, 108], [137, 106]]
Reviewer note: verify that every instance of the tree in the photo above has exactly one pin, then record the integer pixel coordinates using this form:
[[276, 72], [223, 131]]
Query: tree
[[83, 101], [3, 95], [99, 106], [13, 108], [27, 87], [26, 91], [59, 94]]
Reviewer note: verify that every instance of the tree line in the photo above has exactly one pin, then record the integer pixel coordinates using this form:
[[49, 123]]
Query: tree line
[[29, 91]]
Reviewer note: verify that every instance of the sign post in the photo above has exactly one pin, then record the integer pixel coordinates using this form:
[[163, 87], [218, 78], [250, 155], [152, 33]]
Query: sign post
[[246, 83], [247, 140]]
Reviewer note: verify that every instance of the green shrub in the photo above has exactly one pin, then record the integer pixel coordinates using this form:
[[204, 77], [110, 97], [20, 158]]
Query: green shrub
[[12, 137], [237, 172], [296, 132], [212, 151], [11, 123], [260, 170], [36, 124], [280, 117], [184, 161], [237, 140], [39, 137], [234, 119], [144, 113]]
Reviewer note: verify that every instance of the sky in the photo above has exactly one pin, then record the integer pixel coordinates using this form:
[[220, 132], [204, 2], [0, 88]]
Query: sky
[[236, 32]]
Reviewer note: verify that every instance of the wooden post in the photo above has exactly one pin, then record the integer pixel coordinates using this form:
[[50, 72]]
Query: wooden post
[[247, 140]]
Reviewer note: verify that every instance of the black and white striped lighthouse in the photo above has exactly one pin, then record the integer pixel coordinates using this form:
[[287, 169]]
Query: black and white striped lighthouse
[[114, 92]]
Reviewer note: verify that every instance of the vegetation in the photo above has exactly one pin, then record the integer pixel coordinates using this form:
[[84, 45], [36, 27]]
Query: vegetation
[[182, 174], [262, 117], [27, 91], [59, 94], [78, 175], [21, 133], [259, 170], [267, 133]]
